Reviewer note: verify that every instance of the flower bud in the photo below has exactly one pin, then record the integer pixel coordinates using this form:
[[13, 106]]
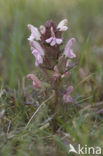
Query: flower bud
[[42, 29], [62, 26]]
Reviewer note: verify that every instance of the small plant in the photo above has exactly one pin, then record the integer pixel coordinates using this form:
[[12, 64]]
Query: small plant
[[52, 61]]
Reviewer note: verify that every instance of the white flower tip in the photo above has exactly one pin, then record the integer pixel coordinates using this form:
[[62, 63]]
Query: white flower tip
[[35, 34], [59, 40], [65, 21], [42, 29], [62, 26]]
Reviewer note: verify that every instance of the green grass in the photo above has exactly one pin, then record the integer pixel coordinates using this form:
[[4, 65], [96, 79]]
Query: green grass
[[81, 123]]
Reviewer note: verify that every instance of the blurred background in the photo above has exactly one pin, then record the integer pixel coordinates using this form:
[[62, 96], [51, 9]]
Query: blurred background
[[85, 24]]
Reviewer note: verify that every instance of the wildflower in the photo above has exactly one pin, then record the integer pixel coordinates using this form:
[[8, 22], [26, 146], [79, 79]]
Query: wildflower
[[36, 81], [53, 40], [35, 34], [68, 52], [62, 26], [67, 97], [54, 62]]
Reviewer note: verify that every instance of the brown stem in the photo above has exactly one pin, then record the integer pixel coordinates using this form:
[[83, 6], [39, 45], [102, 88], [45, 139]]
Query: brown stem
[[55, 111]]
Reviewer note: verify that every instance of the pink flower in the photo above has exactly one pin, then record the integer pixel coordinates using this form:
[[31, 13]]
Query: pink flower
[[62, 26], [67, 98], [35, 34], [38, 57], [68, 52], [37, 51], [36, 81], [53, 40], [37, 46]]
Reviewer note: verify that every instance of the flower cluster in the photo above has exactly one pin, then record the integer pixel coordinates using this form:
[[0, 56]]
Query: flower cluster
[[46, 45]]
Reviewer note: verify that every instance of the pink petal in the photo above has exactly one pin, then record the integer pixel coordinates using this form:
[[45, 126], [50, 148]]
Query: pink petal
[[67, 98], [34, 32], [40, 59], [35, 52], [70, 43], [37, 46], [49, 40], [62, 26], [59, 41], [53, 42], [31, 38], [36, 63], [68, 46], [69, 90], [71, 54]]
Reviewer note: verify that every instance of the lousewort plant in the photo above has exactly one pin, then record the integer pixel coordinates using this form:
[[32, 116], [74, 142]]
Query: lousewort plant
[[52, 61]]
